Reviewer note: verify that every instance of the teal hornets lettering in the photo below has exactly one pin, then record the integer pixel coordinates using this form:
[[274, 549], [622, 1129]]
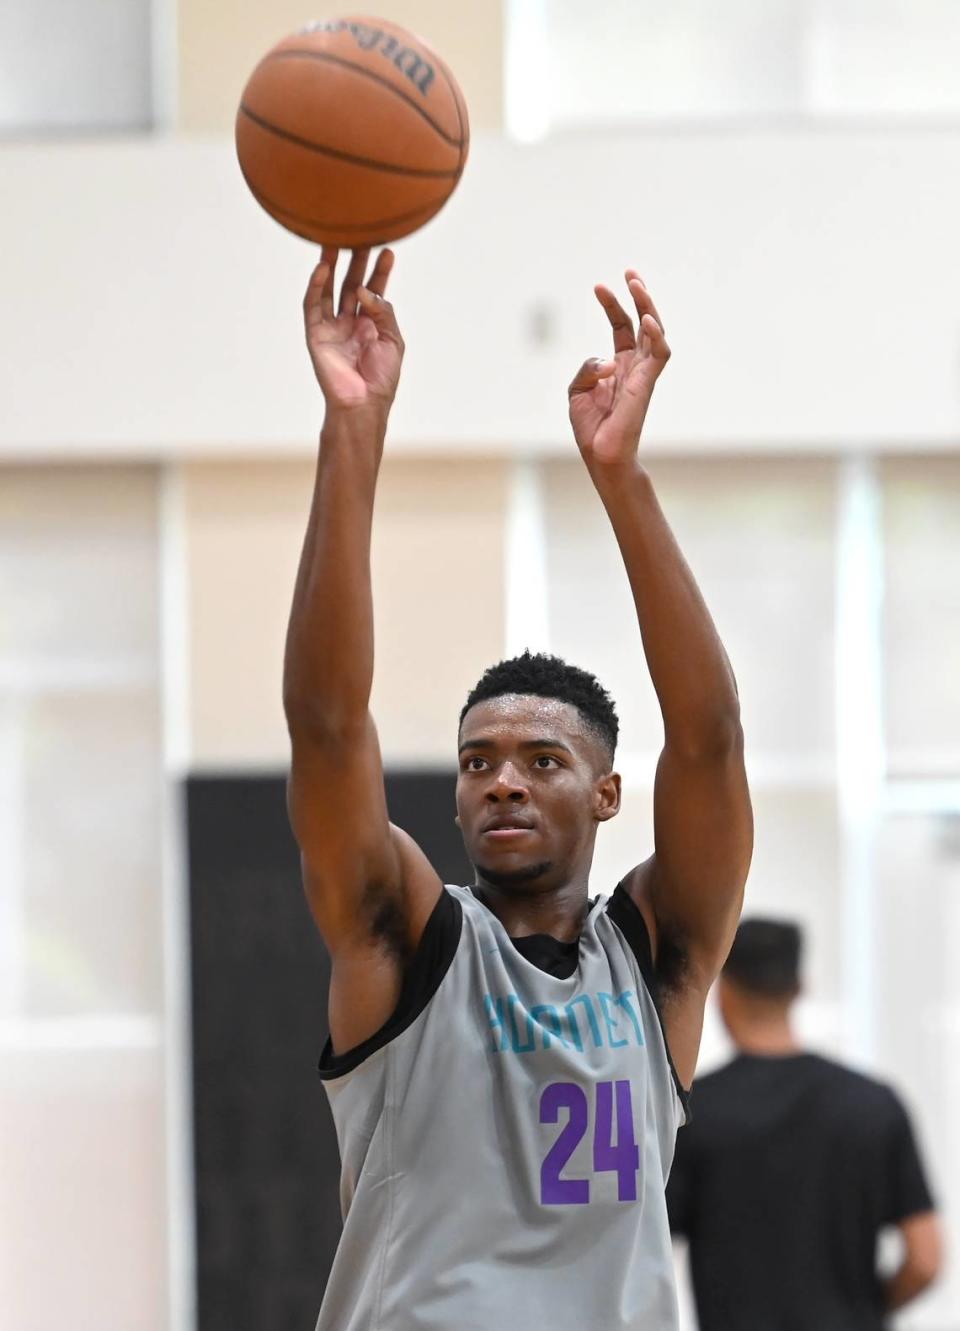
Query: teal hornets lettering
[[589, 1021]]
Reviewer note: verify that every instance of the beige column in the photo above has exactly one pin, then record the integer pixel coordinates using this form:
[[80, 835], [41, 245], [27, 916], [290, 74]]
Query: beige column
[[438, 596], [220, 41]]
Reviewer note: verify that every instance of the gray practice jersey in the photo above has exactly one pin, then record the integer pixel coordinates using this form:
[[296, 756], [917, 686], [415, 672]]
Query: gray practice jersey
[[506, 1138]]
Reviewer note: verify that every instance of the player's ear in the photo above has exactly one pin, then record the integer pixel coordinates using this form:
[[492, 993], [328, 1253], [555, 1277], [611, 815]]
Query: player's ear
[[606, 795]]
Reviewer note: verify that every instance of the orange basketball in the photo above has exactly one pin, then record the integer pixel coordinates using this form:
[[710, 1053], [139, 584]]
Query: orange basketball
[[352, 132]]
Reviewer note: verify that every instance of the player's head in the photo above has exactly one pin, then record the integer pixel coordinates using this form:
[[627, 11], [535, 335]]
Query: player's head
[[761, 976], [537, 740]]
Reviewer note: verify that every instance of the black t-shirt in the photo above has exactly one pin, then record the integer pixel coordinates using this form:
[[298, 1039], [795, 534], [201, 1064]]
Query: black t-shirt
[[781, 1182]]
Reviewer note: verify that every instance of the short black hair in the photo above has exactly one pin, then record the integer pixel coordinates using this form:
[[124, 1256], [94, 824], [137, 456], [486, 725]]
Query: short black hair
[[549, 676], [765, 957]]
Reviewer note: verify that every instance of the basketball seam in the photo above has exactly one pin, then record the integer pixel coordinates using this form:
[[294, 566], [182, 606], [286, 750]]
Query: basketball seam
[[354, 158], [269, 205], [462, 146], [377, 78]]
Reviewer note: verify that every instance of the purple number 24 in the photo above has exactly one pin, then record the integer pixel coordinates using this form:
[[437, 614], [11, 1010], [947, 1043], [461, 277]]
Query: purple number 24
[[621, 1158]]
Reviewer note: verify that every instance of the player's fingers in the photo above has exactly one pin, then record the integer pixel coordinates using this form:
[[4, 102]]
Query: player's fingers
[[381, 272], [590, 373], [381, 312], [313, 296], [354, 276], [641, 296], [653, 334], [620, 321], [328, 256]]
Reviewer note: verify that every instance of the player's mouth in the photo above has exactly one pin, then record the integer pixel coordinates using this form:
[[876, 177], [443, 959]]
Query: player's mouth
[[508, 828]]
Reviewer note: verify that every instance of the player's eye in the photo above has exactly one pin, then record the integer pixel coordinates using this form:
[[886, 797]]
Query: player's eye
[[475, 764], [545, 761]]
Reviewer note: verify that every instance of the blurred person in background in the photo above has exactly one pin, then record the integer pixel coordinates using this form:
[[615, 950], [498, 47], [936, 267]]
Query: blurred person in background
[[792, 1166]]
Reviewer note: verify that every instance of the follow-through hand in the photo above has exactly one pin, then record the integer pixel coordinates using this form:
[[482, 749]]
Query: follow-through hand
[[609, 398], [356, 349]]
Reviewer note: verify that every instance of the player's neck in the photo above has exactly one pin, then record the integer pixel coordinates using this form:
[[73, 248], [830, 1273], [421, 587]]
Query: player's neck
[[559, 912]]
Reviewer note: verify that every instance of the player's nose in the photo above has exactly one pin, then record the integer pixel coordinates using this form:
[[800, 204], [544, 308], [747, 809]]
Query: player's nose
[[507, 785]]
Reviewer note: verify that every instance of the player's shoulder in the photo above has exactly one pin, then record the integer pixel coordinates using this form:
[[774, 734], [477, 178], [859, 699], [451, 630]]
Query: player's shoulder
[[720, 1080], [623, 911], [717, 1098], [844, 1074], [858, 1088], [804, 1068], [471, 912]]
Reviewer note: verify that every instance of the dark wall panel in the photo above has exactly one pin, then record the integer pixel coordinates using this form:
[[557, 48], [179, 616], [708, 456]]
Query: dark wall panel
[[265, 1152]]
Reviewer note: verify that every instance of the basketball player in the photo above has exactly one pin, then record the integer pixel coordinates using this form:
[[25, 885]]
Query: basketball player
[[505, 1090], [793, 1166]]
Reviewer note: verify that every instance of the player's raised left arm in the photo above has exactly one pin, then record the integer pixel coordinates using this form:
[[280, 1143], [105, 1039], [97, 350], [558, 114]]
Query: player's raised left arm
[[691, 888]]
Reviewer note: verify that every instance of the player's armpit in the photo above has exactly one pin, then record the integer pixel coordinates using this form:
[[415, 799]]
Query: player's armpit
[[703, 844], [691, 889], [367, 971], [369, 886]]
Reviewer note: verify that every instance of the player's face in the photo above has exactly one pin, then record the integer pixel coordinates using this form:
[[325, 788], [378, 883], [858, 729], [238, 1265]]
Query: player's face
[[532, 787]]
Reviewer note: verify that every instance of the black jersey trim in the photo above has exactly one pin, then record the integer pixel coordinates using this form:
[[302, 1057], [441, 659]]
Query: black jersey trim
[[628, 918], [549, 954], [422, 978]]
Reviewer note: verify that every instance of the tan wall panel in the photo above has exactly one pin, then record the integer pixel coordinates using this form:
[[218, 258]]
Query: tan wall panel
[[220, 41], [243, 528], [438, 589], [439, 598]]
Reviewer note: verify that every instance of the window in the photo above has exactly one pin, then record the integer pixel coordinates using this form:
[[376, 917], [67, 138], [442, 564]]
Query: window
[[633, 61], [76, 65]]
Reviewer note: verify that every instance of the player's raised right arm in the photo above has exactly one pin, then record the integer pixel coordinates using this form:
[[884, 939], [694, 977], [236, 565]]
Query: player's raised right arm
[[369, 887]]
